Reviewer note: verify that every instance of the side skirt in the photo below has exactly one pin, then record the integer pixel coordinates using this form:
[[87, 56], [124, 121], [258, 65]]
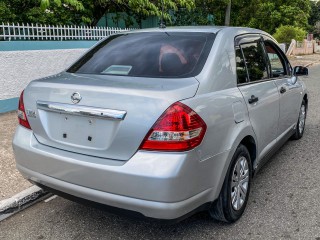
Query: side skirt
[[273, 150]]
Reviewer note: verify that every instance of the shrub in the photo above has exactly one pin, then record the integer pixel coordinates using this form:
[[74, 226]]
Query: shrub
[[284, 34]]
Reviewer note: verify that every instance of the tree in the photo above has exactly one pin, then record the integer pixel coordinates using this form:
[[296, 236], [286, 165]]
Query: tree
[[267, 15], [271, 14], [87, 12], [316, 30], [314, 19], [29, 11], [314, 13], [72, 3], [139, 9], [199, 15], [262, 14], [205, 12]]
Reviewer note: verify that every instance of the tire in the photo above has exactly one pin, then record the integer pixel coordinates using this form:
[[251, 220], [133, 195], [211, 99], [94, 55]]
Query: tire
[[301, 122], [225, 208]]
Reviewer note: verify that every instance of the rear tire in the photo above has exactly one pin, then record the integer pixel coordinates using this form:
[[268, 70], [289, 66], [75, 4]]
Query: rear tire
[[234, 194], [301, 122]]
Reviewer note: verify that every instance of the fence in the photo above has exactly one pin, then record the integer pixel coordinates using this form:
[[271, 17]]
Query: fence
[[10, 32], [301, 48]]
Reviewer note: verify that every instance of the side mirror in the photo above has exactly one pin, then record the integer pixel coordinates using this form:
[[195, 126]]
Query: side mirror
[[300, 71]]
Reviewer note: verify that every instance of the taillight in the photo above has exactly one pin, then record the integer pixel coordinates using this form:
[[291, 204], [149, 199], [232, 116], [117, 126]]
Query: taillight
[[179, 128], [23, 120]]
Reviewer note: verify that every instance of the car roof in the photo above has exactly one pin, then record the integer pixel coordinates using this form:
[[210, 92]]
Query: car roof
[[212, 29], [227, 31]]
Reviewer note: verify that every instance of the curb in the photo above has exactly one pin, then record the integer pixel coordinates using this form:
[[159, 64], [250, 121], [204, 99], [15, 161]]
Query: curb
[[21, 201]]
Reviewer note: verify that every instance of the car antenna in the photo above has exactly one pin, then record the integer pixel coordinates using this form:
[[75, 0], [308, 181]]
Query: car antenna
[[162, 25]]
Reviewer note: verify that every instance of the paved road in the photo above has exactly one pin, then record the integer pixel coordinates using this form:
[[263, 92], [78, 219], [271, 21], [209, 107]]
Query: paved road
[[284, 204]]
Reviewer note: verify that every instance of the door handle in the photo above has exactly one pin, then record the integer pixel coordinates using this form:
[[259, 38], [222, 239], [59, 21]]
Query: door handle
[[253, 99], [282, 90]]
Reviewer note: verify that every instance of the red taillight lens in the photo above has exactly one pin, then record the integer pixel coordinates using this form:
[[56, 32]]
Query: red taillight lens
[[179, 128], [23, 120]]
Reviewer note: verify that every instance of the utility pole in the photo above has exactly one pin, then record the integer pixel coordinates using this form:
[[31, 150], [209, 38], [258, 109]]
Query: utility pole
[[228, 12]]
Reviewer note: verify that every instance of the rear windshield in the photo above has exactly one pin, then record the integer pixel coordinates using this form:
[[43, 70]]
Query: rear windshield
[[159, 54]]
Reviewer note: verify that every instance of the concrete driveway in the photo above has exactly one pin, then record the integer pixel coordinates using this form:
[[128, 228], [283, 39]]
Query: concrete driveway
[[284, 202]]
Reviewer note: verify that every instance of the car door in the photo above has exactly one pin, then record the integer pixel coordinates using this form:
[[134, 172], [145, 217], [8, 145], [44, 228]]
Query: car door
[[259, 91], [288, 88]]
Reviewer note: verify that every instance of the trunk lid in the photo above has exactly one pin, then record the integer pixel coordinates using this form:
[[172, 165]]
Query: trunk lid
[[113, 116]]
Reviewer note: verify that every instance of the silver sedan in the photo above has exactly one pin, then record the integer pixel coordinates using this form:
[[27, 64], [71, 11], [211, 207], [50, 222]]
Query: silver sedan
[[162, 123]]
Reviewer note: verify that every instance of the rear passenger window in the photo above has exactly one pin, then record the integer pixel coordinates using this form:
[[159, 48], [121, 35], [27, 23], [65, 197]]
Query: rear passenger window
[[277, 66], [255, 61]]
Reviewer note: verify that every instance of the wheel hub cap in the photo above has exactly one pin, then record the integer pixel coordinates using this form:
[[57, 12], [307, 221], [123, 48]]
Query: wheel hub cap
[[239, 183]]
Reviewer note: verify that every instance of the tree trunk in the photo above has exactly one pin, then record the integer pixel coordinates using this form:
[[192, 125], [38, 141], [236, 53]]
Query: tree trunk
[[228, 13]]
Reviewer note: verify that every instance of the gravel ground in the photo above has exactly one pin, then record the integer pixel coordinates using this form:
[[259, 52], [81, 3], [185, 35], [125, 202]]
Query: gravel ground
[[11, 182], [284, 202], [305, 60]]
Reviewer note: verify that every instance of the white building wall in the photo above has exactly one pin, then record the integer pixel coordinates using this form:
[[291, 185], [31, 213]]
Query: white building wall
[[18, 68]]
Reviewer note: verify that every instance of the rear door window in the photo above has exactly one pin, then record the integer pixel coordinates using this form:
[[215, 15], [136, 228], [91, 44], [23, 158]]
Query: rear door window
[[157, 54]]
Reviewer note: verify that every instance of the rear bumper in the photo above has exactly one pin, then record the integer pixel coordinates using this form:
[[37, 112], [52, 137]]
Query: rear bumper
[[157, 185], [151, 209]]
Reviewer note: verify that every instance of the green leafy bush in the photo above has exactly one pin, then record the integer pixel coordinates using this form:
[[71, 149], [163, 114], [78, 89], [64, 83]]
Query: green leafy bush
[[284, 34]]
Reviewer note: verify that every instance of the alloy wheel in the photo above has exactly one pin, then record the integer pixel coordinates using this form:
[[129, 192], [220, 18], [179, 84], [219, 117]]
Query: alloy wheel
[[302, 118], [239, 183]]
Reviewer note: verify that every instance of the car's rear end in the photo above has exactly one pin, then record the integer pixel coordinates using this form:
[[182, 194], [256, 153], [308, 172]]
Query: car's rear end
[[113, 129]]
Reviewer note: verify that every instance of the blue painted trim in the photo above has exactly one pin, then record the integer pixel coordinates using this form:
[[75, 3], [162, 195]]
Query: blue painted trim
[[8, 105], [44, 45]]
